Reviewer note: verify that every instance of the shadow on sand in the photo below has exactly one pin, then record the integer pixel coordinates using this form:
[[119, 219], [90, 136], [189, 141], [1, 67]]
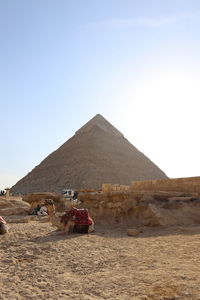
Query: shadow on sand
[[121, 232]]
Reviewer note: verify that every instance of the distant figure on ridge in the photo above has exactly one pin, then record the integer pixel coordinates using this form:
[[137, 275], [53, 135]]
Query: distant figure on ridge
[[75, 196], [2, 193]]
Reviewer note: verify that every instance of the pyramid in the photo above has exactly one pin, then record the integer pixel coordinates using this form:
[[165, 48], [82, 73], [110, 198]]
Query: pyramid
[[98, 153]]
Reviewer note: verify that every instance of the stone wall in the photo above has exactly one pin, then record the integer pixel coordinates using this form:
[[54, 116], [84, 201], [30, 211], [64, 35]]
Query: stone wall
[[188, 185], [114, 187]]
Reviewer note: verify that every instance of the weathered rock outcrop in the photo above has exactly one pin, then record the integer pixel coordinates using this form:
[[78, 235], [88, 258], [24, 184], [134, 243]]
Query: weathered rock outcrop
[[9, 207]]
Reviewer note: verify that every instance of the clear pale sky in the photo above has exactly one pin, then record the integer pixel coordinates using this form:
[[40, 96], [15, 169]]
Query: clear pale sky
[[135, 62]]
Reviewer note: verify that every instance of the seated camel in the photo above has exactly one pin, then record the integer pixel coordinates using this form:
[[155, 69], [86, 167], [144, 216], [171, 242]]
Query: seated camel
[[62, 223], [74, 220]]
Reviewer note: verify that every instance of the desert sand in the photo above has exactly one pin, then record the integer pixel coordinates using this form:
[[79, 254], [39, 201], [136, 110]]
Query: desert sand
[[38, 263]]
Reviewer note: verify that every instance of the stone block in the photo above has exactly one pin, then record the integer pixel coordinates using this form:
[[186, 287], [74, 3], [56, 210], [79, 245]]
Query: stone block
[[133, 232]]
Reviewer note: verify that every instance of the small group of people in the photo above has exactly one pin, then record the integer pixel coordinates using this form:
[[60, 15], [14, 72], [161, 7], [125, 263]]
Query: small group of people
[[3, 226], [40, 210], [2, 192]]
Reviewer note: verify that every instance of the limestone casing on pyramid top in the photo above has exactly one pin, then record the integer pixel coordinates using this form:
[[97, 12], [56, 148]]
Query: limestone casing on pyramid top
[[101, 122]]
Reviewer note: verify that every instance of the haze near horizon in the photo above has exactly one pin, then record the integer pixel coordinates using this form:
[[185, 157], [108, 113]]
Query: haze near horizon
[[135, 63]]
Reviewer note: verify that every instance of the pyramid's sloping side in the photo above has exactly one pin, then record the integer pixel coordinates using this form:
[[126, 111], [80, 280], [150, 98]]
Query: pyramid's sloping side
[[88, 160]]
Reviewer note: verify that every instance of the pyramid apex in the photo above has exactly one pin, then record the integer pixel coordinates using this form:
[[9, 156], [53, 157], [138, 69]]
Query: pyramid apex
[[99, 121], [98, 116]]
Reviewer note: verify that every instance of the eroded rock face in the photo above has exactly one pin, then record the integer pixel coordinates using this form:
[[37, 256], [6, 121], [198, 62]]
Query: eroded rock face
[[142, 208], [13, 207]]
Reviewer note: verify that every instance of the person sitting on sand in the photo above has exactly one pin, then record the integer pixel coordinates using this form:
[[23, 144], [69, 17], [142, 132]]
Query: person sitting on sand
[[3, 226], [35, 210], [43, 211]]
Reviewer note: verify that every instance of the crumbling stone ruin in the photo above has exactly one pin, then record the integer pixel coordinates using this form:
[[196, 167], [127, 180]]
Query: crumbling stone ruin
[[146, 203]]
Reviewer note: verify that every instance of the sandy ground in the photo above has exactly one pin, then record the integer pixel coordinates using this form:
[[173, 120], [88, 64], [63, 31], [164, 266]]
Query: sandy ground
[[37, 263]]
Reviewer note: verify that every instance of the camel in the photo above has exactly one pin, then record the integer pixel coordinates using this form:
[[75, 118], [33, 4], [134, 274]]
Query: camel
[[66, 222], [56, 220]]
